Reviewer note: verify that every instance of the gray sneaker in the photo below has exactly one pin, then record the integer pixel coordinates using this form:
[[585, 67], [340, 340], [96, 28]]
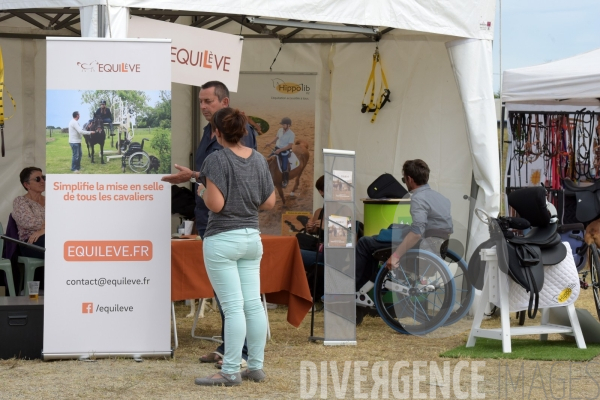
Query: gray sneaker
[[258, 375], [224, 380]]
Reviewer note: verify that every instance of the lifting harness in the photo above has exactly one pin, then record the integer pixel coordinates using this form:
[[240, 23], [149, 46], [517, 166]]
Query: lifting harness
[[384, 91]]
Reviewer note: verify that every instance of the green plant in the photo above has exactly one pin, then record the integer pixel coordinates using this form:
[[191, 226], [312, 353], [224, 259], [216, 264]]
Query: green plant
[[161, 142]]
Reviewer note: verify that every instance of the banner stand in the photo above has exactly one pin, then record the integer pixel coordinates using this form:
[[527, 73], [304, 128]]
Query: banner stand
[[92, 356], [108, 224]]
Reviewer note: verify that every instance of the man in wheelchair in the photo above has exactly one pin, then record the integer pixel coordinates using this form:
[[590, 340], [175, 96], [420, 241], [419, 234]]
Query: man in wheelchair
[[431, 227]]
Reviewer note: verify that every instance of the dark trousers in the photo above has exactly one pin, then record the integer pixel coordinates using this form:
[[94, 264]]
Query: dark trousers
[[283, 157], [221, 348], [310, 261], [366, 265], [29, 252], [76, 157], [109, 122]]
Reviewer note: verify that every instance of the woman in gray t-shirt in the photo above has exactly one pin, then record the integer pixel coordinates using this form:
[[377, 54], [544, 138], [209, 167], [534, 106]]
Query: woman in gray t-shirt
[[237, 184]]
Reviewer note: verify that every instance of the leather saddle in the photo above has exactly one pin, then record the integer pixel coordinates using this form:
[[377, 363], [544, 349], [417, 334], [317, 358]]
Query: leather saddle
[[588, 199], [523, 257]]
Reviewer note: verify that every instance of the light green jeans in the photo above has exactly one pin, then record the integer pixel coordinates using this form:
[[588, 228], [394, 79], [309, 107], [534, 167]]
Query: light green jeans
[[232, 262]]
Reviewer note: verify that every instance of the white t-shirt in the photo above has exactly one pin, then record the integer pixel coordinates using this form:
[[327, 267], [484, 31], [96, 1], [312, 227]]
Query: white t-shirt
[[75, 131], [284, 138]]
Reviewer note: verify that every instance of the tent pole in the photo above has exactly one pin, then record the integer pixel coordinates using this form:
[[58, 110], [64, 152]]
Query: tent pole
[[502, 126]]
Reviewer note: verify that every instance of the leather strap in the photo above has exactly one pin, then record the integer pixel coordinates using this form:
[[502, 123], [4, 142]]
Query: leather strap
[[527, 255]]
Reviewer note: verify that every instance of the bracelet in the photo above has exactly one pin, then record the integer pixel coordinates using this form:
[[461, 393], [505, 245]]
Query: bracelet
[[201, 194]]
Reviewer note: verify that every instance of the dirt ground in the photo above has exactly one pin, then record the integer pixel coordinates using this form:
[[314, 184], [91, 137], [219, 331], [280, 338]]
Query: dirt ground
[[289, 350]]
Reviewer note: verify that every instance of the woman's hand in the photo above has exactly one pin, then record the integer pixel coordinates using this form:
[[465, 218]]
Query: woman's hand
[[200, 187], [36, 235]]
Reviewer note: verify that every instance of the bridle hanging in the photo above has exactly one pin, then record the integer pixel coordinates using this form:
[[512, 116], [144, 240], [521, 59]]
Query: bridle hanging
[[2, 95], [384, 91]]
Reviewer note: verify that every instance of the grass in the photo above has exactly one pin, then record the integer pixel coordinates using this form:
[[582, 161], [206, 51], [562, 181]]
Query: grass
[[58, 153], [526, 349]]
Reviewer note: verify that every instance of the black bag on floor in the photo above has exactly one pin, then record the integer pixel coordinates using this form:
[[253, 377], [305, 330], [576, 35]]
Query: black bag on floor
[[386, 186]]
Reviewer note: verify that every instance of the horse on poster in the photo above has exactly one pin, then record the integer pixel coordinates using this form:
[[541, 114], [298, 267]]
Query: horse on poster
[[98, 137], [300, 149]]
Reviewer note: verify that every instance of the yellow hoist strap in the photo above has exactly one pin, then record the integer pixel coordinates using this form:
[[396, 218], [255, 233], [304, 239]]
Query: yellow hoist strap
[[384, 91], [2, 95]]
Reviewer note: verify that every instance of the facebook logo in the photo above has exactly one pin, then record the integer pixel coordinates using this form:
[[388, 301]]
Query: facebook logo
[[87, 308]]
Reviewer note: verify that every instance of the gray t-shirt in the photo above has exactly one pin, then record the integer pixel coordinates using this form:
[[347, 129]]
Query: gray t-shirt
[[245, 183]]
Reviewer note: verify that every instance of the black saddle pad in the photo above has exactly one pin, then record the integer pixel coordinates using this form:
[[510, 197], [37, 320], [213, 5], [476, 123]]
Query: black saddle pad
[[588, 206]]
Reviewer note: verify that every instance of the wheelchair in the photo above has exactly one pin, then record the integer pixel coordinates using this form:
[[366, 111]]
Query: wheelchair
[[134, 156], [423, 293]]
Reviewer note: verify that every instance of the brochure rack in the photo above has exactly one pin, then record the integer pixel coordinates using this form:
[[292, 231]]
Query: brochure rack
[[340, 240]]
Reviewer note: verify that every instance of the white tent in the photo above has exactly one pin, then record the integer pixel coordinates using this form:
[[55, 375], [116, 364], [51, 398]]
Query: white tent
[[438, 62], [574, 80], [565, 85]]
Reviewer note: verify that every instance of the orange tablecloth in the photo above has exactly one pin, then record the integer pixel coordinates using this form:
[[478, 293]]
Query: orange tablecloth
[[282, 276]]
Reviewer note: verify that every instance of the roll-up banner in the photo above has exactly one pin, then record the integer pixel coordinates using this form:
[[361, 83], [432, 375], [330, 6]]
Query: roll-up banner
[[107, 264]]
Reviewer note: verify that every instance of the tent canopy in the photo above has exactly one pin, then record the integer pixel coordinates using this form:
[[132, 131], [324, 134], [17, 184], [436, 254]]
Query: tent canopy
[[574, 80], [467, 18]]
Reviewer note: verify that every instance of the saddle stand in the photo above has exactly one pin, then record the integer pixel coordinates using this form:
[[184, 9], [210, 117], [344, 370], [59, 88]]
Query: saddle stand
[[496, 290]]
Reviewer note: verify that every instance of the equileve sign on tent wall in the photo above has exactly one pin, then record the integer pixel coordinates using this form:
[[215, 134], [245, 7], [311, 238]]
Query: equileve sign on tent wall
[[197, 55]]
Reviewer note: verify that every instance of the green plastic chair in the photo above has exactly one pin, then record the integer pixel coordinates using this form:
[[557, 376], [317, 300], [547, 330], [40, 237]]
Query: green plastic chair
[[31, 264], [6, 267]]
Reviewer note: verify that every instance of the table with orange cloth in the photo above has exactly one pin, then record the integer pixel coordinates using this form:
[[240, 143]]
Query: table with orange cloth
[[282, 276]]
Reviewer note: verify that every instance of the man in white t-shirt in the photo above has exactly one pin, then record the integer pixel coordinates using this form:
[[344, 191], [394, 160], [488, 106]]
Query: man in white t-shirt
[[285, 140], [75, 135]]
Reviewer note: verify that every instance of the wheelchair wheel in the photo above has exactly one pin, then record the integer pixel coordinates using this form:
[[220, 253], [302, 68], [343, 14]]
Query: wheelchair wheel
[[464, 292], [139, 162], [595, 272], [417, 297]]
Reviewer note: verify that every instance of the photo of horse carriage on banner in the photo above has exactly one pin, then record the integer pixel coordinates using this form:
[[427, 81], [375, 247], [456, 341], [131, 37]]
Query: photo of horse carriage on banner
[[131, 153], [132, 127]]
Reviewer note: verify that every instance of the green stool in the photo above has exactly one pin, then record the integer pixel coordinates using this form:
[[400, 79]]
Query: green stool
[[31, 264], [6, 267]]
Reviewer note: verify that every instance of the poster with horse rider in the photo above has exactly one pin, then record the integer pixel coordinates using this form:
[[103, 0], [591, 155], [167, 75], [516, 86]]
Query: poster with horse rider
[[281, 107]]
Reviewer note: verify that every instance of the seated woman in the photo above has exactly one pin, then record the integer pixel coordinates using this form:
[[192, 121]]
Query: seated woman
[[314, 226], [29, 211]]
